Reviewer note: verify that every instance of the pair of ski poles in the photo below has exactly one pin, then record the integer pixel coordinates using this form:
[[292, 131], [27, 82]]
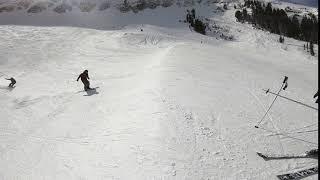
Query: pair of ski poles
[[283, 87]]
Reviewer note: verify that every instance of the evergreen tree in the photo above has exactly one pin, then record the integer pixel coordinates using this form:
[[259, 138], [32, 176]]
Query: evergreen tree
[[188, 17], [193, 13], [268, 10], [125, 3], [306, 28], [244, 14], [296, 31], [199, 27], [281, 39], [238, 15], [125, 6], [141, 4], [311, 49], [225, 7], [192, 17]]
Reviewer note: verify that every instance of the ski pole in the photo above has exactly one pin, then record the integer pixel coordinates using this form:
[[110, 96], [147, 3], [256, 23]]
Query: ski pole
[[268, 91], [283, 86]]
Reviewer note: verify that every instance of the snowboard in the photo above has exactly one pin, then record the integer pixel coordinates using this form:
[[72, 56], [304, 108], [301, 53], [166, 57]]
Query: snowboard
[[92, 89]]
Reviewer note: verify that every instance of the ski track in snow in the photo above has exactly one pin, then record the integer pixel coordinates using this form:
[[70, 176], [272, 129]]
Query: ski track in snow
[[169, 103]]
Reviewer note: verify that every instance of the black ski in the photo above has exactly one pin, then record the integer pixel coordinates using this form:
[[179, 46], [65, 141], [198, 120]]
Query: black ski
[[299, 174], [268, 157]]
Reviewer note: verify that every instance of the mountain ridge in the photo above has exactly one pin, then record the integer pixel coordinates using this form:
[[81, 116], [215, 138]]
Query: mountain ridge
[[62, 6]]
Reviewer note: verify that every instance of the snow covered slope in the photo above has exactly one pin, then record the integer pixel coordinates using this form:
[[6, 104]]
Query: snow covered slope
[[312, 3], [169, 104]]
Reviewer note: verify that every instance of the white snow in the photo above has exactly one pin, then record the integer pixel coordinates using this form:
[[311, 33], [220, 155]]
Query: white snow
[[169, 103]]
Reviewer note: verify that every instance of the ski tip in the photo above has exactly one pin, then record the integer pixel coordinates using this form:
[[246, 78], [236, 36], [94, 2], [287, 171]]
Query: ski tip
[[263, 156], [260, 154]]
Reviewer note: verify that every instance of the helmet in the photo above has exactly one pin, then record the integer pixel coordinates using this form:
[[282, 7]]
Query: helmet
[[86, 71]]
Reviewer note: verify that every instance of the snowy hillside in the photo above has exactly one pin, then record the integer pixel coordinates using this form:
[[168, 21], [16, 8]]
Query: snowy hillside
[[63, 6], [312, 3], [300, 8], [169, 103]]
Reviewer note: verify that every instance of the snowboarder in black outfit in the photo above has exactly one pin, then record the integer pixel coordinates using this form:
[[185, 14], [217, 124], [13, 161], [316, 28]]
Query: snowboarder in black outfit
[[13, 82], [316, 95], [84, 78]]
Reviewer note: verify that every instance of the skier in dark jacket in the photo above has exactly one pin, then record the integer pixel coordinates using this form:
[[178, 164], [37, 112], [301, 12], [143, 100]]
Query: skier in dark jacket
[[13, 82], [316, 95], [84, 78]]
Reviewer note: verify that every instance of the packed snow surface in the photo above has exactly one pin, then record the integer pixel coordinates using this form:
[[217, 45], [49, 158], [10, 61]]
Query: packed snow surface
[[169, 103]]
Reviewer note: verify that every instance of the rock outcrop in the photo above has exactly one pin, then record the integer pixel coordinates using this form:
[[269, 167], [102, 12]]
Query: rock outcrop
[[63, 8]]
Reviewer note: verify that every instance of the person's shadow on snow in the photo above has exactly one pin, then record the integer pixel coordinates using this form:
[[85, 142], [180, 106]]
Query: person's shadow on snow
[[91, 92], [7, 88]]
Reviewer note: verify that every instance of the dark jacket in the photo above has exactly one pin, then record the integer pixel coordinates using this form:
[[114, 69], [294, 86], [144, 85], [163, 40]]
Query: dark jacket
[[12, 80], [84, 77]]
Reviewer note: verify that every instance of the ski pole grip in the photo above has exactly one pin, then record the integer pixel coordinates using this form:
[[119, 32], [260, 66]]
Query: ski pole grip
[[285, 79], [267, 91]]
